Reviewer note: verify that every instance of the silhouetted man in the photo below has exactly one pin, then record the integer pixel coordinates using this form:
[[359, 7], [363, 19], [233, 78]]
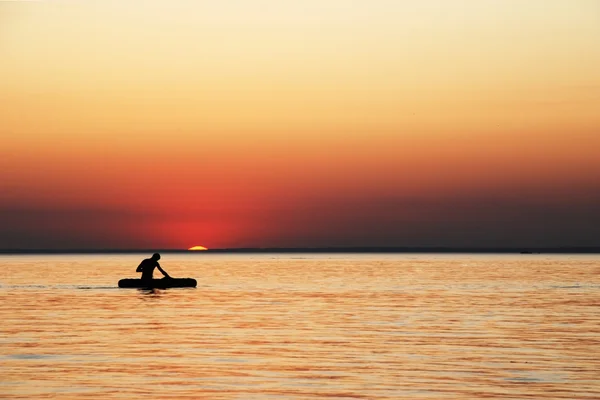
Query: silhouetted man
[[147, 266]]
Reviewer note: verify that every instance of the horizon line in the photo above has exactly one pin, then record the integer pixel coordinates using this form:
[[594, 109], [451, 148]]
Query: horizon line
[[332, 249]]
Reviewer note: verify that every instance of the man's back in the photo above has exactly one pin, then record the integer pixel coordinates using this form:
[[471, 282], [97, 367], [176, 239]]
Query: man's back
[[146, 267]]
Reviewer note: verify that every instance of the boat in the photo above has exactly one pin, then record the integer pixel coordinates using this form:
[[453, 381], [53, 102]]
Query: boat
[[163, 283]]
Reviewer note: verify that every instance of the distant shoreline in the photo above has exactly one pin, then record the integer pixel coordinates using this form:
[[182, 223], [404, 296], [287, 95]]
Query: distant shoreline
[[366, 250]]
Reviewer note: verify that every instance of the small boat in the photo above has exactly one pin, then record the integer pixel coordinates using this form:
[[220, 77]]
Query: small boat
[[163, 283]]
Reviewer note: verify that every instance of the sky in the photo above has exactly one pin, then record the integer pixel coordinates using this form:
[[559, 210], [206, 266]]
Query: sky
[[275, 123]]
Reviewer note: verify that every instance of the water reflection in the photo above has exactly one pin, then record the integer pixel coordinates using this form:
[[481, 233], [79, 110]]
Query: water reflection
[[149, 292], [260, 328]]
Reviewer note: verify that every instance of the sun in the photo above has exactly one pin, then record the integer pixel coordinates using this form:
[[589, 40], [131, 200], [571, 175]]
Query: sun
[[197, 248]]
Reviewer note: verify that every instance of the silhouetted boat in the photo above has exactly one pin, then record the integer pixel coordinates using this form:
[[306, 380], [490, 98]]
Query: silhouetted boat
[[163, 283]]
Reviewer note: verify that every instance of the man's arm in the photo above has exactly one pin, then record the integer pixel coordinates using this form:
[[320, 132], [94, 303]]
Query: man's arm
[[162, 270], [139, 268]]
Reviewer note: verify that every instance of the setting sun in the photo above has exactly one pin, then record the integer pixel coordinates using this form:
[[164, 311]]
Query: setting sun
[[197, 248]]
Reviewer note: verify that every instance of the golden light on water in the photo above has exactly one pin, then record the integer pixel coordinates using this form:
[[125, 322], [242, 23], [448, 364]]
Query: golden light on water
[[197, 248], [370, 326]]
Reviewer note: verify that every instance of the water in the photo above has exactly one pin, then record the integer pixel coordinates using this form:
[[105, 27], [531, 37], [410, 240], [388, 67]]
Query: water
[[302, 327]]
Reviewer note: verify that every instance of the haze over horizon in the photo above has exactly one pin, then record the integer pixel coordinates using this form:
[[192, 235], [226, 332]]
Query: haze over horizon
[[284, 124]]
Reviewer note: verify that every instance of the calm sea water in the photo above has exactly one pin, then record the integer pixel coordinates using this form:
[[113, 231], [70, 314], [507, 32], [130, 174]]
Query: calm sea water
[[302, 327]]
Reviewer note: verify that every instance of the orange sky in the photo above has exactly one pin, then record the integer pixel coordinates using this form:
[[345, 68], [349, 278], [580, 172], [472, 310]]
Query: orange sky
[[276, 123]]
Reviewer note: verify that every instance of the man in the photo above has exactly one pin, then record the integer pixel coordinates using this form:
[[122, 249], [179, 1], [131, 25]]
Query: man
[[147, 266]]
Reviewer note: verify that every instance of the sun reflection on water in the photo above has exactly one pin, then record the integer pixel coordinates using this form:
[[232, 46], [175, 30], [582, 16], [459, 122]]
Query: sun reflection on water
[[377, 327]]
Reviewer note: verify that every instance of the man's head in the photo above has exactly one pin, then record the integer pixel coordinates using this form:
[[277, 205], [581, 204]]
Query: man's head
[[156, 256]]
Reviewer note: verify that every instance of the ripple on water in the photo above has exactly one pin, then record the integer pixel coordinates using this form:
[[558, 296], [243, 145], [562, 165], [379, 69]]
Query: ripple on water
[[299, 328]]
